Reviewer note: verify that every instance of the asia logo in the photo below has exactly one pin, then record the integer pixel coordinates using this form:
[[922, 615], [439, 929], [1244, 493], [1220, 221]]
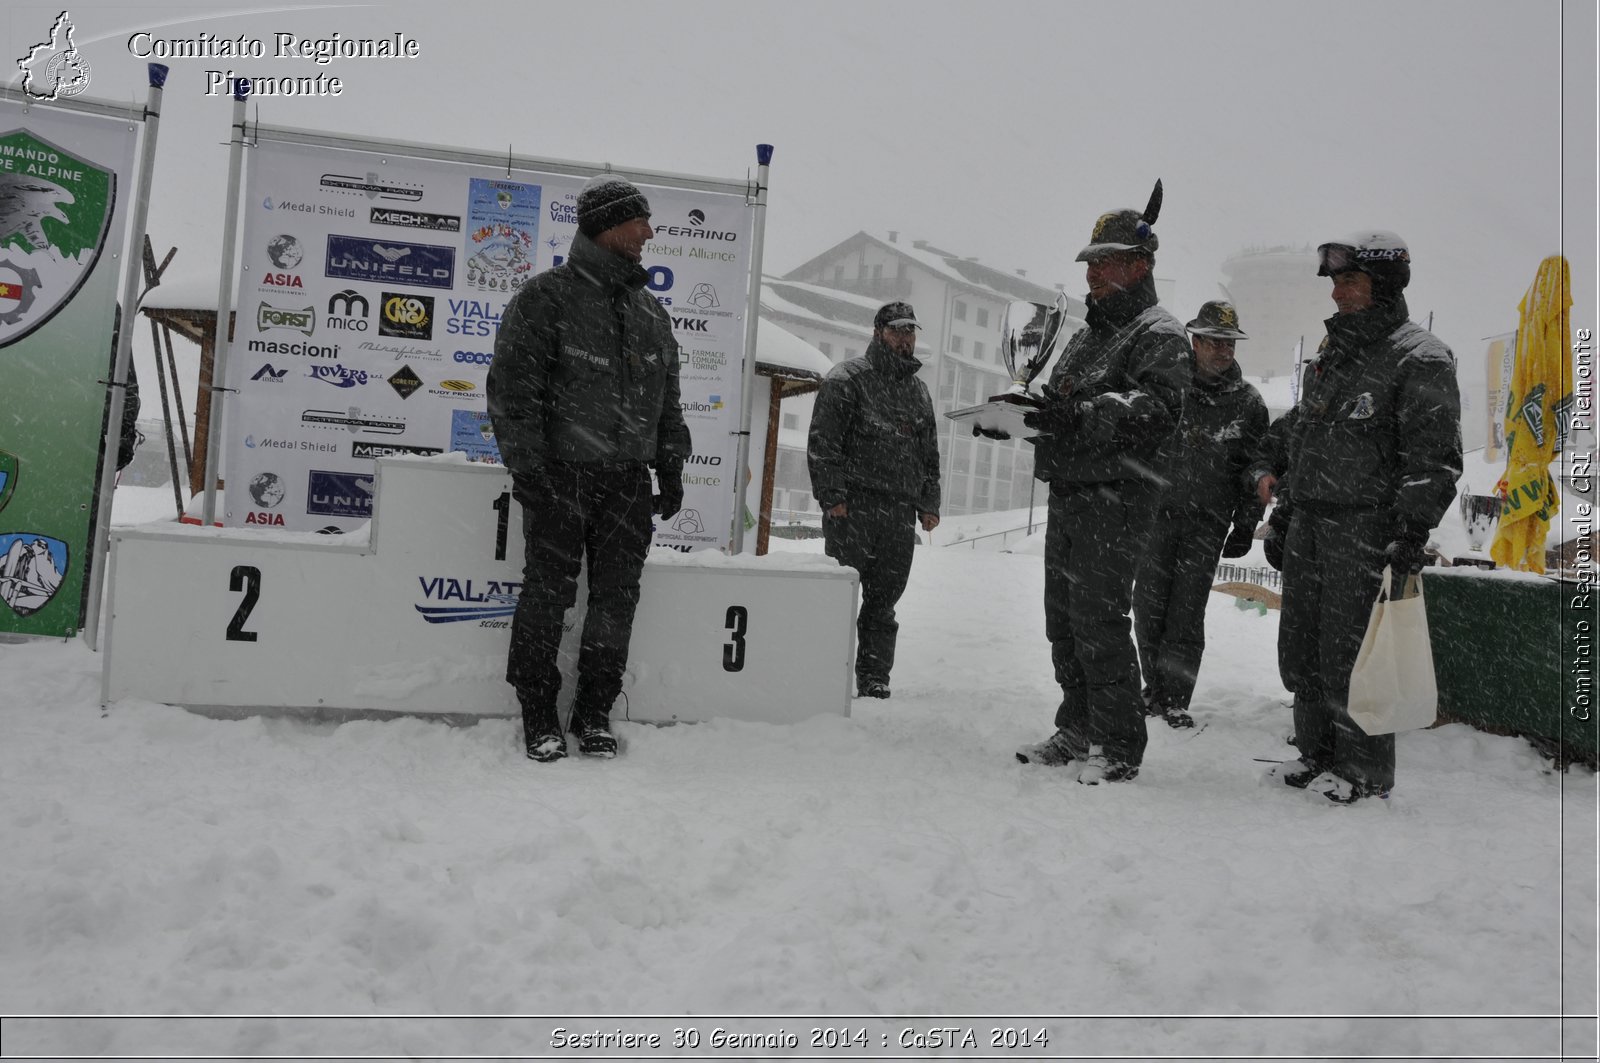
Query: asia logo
[[266, 490], [393, 261], [406, 316], [303, 321], [339, 376], [339, 494], [285, 253], [55, 68], [345, 304], [42, 267]]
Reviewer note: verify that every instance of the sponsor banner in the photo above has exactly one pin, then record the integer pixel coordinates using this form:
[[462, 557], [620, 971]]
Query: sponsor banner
[[65, 181], [374, 315]]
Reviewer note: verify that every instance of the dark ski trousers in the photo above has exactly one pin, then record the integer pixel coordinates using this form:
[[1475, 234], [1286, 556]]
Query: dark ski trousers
[[877, 538], [599, 512], [1169, 601], [1332, 569], [1091, 551]]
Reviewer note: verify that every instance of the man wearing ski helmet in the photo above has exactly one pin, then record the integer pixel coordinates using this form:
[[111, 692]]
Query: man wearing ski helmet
[[1373, 457], [1206, 491], [1114, 397]]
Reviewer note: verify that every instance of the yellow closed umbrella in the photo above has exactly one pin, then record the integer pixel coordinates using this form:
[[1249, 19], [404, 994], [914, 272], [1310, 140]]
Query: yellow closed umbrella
[[1540, 396]]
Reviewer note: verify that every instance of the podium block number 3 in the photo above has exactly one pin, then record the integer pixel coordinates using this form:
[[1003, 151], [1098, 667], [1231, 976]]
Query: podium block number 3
[[245, 578], [733, 650]]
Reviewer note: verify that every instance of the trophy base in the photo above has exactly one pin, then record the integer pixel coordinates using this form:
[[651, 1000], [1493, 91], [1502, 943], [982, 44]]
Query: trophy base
[[1002, 413]]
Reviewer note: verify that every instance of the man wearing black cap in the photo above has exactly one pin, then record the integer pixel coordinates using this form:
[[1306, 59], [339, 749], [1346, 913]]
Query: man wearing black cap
[[874, 457], [583, 394], [1206, 491], [1114, 397], [1374, 452]]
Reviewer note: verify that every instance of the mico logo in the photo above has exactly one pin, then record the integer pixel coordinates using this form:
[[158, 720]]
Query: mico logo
[[344, 304]]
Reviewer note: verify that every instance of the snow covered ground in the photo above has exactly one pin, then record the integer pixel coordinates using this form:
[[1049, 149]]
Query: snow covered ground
[[896, 863]]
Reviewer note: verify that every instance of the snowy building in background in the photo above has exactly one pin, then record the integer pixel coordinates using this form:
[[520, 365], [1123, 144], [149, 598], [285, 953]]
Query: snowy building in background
[[1280, 298], [829, 301]]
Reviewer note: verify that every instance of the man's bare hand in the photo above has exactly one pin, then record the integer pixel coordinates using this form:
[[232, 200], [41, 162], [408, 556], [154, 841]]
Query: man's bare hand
[[930, 521], [841, 510], [1266, 487]]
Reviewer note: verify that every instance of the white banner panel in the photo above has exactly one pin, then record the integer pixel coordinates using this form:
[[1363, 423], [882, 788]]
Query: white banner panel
[[370, 291], [416, 617]]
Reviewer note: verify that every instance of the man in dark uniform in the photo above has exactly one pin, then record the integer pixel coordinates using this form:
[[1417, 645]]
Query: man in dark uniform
[[873, 454], [1114, 397], [1207, 491], [1374, 453], [583, 393]]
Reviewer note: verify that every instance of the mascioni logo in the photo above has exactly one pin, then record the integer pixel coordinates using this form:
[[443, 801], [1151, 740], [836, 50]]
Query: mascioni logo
[[304, 350]]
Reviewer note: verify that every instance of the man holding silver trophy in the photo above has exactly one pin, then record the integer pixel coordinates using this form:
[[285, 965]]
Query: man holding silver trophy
[[1115, 395]]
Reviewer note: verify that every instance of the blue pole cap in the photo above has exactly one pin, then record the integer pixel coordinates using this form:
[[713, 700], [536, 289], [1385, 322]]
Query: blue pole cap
[[763, 154], [241, 88], [158, 75]]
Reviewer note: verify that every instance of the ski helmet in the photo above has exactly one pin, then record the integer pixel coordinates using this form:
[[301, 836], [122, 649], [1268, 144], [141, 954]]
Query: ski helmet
[[1380, 254]]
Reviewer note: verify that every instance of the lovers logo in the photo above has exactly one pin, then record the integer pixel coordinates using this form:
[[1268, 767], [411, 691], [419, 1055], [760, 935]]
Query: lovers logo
[[55, 212]]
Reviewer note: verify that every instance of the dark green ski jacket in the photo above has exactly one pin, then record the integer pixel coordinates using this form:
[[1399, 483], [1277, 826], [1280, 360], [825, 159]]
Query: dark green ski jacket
[[1206, 462], [586, 368], [1378, 424], [873, 432]]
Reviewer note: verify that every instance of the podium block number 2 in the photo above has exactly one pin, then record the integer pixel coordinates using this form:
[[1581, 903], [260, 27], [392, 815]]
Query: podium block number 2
[[245, 578]]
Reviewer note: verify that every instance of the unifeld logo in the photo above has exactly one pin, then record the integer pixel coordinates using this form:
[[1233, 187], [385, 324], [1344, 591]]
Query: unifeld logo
[[468, 600]]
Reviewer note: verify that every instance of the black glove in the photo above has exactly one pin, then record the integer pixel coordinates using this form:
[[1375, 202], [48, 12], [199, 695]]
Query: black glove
[[1277, 536], [1058, 418], [1239, 541], [991, 433], [1405, 554], [669, 474]]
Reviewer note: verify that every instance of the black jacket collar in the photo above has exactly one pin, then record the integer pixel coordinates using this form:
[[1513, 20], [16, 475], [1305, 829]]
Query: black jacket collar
[[885, 361], [1119, 308], [603, 268], [1348, 333]]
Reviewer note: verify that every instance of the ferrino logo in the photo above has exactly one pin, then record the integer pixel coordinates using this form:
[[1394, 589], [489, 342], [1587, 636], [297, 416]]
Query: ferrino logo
[[303, 320], [469, 600]]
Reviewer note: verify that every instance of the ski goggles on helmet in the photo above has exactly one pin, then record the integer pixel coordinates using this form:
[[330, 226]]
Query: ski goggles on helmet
[[1342, 258]]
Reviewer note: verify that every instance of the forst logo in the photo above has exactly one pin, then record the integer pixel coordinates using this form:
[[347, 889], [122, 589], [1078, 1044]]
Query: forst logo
[[303, 320], [344, 305], [406, 316]]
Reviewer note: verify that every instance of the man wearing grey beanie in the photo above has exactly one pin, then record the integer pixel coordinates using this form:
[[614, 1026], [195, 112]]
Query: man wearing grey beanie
[[583, 393]]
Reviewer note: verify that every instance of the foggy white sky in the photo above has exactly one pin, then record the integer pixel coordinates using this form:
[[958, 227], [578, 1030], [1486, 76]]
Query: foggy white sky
[[999, 129]]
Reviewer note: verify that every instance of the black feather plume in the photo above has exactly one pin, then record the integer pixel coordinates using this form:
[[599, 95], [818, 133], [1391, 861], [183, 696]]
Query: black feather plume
[[1153, 209]]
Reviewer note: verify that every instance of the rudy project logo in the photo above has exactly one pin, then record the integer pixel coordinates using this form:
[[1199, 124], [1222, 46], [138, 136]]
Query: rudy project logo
[[55, 214], [55, 68], [303, 320], [31, 570], [406, 316]]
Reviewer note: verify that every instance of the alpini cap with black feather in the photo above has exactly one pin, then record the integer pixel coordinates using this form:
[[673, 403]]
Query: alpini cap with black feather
[[1124, 230]]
